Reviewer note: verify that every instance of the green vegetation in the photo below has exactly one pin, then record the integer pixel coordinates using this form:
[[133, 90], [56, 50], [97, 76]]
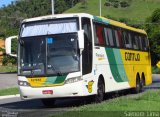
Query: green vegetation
[[9, 91], [137, 11], [155, 70], [146, 102], [153, 30], [8, 68], [118, 3]]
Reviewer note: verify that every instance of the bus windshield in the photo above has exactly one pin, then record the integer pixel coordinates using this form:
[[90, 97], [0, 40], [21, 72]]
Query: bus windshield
[[49, 27], [49, 52]]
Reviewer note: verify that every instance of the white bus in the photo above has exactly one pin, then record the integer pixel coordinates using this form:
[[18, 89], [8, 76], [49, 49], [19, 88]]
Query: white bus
[[74, 55]]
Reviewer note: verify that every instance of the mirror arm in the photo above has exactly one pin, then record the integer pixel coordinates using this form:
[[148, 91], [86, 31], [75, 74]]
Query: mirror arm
[[8, 45]]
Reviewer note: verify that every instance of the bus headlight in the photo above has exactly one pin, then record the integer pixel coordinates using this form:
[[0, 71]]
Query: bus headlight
[[72, 80], [23, 83]]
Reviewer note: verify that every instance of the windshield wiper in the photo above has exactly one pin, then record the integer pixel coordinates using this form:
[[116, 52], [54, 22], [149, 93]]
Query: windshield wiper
[[32, 68], [29, 69], [58, 72], [21, 42]]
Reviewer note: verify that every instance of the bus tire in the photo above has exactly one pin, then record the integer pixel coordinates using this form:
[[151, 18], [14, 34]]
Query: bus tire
[[142, 83], [137, 89], [48, 102], [100, 91]]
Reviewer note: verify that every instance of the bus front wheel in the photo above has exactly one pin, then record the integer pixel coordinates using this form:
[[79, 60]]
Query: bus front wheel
[[100, 91]]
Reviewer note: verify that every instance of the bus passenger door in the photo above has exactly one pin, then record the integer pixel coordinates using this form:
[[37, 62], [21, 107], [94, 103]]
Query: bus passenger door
[[87, 52]]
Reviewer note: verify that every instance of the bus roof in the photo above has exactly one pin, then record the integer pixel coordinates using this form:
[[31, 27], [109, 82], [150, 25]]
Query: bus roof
[[57, 16], [119, 24], [96, 18]]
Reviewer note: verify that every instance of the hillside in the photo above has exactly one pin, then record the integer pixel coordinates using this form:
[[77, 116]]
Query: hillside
[[137, 12]]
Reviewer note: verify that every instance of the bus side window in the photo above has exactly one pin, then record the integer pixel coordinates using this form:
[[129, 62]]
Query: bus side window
[[144, 43], [96, 41], [106, 36], [140, 43], [117, 38], [124, 39], [120, 38], [109, 33], [130, 40], [127, 42], [135, 41], [99, 34]]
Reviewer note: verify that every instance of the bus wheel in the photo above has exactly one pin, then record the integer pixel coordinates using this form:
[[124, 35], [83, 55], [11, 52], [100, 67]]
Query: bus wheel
[[142, 84], [100, 92], [137, 89], [48, 102]]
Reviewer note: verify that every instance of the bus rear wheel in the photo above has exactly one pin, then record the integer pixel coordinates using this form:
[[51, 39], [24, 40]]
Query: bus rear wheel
[[100, 92], [142, 83], [138, 87], [48, 102]]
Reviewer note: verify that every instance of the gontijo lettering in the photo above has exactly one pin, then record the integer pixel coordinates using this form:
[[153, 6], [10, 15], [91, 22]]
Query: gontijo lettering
[[129, 56]]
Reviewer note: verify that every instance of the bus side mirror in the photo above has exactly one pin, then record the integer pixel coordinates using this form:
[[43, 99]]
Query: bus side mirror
[[81, 39], [8, 45]]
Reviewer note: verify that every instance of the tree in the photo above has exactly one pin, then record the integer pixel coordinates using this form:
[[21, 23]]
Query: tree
[[60, 6], [84, 3], [153, 30], [124, 4]]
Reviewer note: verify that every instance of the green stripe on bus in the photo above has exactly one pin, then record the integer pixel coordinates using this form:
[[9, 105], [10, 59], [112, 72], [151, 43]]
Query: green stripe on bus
[[106, 21], [116, 64], [55, 80], [120, 65], [97, 19], [101, 20]]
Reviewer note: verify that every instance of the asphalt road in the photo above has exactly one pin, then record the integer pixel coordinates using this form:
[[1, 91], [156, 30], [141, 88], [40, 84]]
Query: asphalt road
[[155, 82], [8, 80], [34, 108]]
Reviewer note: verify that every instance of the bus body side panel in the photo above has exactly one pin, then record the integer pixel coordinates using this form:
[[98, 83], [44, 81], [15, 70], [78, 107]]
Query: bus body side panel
[[110, 67], [136, 62], [120, 67]]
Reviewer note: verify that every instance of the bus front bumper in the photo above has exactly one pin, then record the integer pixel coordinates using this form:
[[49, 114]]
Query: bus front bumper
[[76, 89]]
